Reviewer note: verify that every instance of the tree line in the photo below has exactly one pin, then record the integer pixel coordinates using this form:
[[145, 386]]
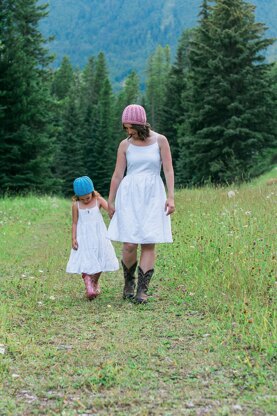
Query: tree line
[[216, 103]]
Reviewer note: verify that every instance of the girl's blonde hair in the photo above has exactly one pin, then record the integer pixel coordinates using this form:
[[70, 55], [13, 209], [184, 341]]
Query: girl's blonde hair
[[95, 194]]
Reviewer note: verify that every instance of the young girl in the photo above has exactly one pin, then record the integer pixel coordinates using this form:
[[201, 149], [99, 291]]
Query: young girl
[[92, 253]]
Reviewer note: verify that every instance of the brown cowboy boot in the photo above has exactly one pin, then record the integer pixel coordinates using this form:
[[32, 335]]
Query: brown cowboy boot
[[143, 283], [129, 278]]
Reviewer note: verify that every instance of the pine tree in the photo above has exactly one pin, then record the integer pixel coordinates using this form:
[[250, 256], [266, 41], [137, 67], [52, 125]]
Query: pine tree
[[63, 79], [229, 103], [71, 158], [104, 151], [130, 94], [98, 135], [172, 111], [26, 141], [88, 93], [157, 74]]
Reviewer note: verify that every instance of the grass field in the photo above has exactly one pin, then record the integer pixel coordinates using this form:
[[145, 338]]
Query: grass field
[[203, 345]]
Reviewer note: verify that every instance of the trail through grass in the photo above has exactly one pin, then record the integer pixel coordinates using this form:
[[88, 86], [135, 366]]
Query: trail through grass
[[204, 345]]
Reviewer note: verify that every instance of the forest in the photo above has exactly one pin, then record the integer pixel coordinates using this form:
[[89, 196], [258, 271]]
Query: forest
[[129, 35], [216, 103]]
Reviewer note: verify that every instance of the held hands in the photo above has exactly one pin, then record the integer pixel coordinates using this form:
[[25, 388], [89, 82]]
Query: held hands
[[74, 244], [111, 209], [169, 206]]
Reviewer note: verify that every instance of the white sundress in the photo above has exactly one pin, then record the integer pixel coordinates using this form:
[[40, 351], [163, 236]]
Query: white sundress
[[95, 252], [140, 215]]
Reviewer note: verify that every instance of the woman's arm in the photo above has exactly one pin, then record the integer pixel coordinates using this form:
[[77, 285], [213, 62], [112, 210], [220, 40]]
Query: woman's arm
[[74, 225], [117, 175], [168, 172]]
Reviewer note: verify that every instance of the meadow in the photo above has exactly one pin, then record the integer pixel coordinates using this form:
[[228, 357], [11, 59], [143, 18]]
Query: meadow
[[205, 344]]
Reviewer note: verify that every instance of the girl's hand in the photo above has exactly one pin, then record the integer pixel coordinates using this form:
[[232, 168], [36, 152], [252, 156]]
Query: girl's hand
[[169, 206], [75, 244], [111, 209]]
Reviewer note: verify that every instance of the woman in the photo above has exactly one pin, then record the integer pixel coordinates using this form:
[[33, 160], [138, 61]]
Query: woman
[[137, 203]]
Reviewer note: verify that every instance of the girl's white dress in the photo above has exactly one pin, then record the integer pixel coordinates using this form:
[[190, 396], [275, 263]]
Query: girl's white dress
[[140, 215], [95, 252]]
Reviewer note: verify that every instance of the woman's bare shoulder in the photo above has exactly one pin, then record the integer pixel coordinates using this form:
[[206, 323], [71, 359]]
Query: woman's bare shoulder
[[123, 145], [162, 140]]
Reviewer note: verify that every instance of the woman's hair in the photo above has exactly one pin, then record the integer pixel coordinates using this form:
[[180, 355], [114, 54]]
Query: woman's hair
[[94, 194], [143, 130]]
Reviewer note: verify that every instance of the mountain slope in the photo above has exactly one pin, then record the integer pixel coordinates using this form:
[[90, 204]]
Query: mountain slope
[[127, 32]]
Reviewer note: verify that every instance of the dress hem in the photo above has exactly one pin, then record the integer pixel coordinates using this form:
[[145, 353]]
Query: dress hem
[[140, 242]]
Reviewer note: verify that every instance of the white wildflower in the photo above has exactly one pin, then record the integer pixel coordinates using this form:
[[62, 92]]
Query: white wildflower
[[231, 194]]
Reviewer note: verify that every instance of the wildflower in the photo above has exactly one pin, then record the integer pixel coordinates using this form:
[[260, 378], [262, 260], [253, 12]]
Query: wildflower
[[231, 194], [2, 349]]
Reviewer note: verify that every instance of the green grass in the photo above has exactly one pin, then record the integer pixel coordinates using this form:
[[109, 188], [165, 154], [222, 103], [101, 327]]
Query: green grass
[[204, 345]]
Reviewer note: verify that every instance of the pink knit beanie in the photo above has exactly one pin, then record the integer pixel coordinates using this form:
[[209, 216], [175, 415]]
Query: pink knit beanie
[[134, 114]]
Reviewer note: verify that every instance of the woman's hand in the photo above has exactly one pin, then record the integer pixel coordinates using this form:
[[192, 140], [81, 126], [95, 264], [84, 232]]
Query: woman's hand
[[74, 244], [169, 206], [111, 209]]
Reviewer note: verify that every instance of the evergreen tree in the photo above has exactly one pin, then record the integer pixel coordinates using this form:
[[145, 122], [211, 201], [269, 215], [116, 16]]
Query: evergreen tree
[[104, 154], [98, 135], [172, 111], [63, 79], [157, 74], [26, 143], [71, 158], [130, 94], [229, 104], [88, 93]]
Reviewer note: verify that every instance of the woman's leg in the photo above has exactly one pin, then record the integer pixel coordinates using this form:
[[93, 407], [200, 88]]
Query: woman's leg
[[145, 271], [129, 264], [129, 254], [147, 257]]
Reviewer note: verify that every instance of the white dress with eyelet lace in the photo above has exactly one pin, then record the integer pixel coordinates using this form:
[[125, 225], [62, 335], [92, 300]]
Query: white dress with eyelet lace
[[95, 252], [140, 215]]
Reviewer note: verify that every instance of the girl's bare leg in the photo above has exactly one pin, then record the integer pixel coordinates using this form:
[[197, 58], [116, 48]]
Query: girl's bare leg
[[95, 284]]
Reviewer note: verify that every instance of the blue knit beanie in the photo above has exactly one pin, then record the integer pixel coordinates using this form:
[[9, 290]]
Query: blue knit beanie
[[83, 186]]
